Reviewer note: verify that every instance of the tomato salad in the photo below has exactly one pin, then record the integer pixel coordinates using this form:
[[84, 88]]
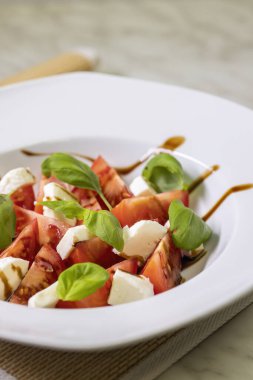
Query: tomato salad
[[87, 239]]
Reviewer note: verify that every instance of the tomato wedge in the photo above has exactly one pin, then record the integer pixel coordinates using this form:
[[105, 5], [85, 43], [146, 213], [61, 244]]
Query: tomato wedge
[[24, 197], [94, 251], [26, 244], [49, 230], [113, 187], [99, 298], [164, 265], [23, 218], [154, 207], [86, 198], [44, 271]]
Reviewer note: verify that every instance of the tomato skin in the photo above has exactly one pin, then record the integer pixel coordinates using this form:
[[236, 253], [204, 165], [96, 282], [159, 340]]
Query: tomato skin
[[154, 207], [23, 218], [86, 198], [93, 251], [164, 265], [113, 186], [26, 245], [49, 230], [24, 197], [44, 271], [99, 298]]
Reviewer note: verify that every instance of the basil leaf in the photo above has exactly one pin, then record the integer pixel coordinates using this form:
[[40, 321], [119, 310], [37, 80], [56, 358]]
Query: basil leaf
[[80, 280], [70, 209], [101, 223], [189, 231], [106, 226], [7, 221], [164, 173], [70, 170]]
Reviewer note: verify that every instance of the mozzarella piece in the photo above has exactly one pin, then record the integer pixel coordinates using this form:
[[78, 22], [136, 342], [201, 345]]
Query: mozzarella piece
[[14, 179], [55, 192], [45, 298], [12, 270], [139, 187], [141, 239], [71, 237], [128, 288]]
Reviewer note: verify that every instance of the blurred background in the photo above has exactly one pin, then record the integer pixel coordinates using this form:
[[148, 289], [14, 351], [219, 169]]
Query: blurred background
[[202, 44]]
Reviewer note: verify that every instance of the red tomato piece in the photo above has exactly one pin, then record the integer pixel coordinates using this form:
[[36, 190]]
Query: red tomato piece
[[50, 230], [164, 265], [94, 251], [113, 187], [23, 218], [26, 245], [99, 298], [154, 207], [24, 197], [44, 271], [86, 198]]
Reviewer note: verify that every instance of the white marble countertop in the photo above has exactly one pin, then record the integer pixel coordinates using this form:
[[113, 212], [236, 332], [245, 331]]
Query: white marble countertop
[[206, 45]]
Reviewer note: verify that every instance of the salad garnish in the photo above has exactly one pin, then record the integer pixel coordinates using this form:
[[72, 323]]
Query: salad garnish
[[80, 280], [164, 173], [75, 172], [7, 221], [189, 231]]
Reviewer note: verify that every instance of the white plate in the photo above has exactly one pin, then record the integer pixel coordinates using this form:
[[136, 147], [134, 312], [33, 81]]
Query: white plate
[[121, 118]]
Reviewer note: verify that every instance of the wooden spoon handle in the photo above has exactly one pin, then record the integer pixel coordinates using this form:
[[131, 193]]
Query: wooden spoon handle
[[65, 63]]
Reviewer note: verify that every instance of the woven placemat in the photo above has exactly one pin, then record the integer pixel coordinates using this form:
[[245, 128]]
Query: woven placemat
[[143, 361]]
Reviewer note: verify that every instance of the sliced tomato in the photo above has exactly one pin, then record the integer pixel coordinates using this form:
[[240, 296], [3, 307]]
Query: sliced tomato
[[86, 198], [44, 271], [163, 266], [44, 181], [94, 251], [50, 230], [24, 197], [99, 298], [113, 187], [154, 207], [23, 218], [26, 245]]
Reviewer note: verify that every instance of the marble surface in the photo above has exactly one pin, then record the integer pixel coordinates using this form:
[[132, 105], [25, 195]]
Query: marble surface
[[202, 44]]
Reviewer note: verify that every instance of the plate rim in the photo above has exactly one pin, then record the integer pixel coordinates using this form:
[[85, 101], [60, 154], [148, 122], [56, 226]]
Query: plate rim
[[22, 338]]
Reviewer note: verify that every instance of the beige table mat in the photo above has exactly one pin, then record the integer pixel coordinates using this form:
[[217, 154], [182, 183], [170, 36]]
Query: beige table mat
[[144, 361]]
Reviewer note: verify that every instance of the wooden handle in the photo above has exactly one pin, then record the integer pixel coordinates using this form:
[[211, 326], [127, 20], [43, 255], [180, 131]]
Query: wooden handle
[[62, 64]]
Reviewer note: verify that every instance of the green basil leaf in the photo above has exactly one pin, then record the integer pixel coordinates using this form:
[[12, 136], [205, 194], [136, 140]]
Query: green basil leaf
[[80, 280], [70, 209], [106, 226], [101, 223], [189, 231], [7, 221], [164, 173], [70, 170]]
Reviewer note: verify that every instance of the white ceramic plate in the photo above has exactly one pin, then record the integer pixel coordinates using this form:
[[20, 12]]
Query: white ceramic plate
[[121, 118]]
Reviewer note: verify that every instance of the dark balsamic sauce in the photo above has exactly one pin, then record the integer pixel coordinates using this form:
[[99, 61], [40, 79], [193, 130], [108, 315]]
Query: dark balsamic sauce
[[232, 190], [202, 178]]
